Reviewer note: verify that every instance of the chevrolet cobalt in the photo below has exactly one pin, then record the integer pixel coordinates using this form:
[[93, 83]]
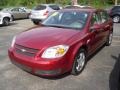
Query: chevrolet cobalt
[[62, 43]]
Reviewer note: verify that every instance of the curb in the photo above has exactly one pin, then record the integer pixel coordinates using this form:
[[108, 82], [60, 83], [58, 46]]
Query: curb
[[116, 38], [116, 41]]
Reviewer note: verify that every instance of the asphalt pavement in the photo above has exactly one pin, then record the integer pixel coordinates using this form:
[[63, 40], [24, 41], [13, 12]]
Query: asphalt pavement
[[101, 71]]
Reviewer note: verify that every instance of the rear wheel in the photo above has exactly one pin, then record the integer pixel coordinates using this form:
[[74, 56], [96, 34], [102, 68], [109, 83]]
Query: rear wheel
[[36, 22], [116, 18], [109, 39], [79, 62], [6, 21]]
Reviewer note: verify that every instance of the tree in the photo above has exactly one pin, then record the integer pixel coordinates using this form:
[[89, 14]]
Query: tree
[[116, 2], [74, 2], [50, 1]]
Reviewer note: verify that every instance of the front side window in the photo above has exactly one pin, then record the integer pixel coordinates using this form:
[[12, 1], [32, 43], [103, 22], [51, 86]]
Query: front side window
[[67, 19]]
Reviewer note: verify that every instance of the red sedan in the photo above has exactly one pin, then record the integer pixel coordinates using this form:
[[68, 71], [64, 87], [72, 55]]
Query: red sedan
[[62, 43]]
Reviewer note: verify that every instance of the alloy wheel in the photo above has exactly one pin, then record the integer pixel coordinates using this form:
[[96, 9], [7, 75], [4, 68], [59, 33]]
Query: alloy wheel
[[80, 61], [116, 19]]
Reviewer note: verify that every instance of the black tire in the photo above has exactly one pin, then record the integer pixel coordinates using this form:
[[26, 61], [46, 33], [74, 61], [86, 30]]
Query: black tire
[[6, 21], [116, 18], [75, 68], [109, 39], [13, 18], [36, 22], [119, 82]]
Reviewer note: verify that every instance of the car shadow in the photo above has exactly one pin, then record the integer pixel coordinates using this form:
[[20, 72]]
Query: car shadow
[[114, 78], [95, 53], [14, 23], [56, 77], [11, 24]]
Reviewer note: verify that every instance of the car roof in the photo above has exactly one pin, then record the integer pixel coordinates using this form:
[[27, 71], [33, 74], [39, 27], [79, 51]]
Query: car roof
[[47, 4], [83, 9], [77, 6], [116, 5]]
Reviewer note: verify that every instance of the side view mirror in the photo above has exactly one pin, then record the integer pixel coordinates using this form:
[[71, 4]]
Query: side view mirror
[[95, 27]]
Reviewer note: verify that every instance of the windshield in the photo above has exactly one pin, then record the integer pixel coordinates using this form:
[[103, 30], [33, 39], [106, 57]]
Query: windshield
[[67, 19]]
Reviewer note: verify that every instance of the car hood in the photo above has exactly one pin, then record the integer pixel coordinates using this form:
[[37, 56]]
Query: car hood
[[45, 37], [4, 13]]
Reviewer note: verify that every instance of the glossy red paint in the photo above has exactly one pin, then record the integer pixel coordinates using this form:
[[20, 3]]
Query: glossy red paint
[[40, 38]]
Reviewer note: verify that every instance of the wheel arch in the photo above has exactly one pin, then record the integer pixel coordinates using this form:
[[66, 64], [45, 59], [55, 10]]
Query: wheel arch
[[75, 51], [6, 17]]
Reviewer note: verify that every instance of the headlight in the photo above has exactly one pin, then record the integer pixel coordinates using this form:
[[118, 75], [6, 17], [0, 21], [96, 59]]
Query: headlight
[[55, 51], [13, 41]]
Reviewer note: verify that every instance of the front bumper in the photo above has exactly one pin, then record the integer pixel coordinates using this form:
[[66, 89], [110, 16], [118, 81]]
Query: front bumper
[[39, 67], [1, 22]]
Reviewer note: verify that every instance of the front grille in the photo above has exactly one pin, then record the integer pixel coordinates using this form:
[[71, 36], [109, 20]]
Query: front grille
[[25, 50]]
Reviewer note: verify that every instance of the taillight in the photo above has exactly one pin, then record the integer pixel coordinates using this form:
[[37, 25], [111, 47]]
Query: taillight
[[46, 13]]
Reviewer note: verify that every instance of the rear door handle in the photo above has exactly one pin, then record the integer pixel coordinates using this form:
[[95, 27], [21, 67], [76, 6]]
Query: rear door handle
[[107, 26]]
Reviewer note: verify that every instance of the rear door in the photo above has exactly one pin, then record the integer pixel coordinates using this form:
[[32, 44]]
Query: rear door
[[105, 24], [23, 13], [95, 34]]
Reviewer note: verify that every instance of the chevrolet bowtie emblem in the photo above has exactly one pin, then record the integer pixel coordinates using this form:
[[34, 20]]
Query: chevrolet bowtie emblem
[[23, 50]]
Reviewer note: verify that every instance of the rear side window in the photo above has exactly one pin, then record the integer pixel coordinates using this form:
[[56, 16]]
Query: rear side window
[[15, 10], [54, 7], [40, 7], [96, 19], [104, 16]]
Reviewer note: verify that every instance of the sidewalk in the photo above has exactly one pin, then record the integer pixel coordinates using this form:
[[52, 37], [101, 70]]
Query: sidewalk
[[116, 29], [116, 35]]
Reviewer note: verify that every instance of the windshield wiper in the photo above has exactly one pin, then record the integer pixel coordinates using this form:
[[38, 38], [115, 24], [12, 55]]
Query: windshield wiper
[[54, 26], [61, 27]]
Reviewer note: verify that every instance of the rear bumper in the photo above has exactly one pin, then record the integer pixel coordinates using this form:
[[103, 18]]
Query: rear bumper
[[36, 20], [37, 17], [43, 68]]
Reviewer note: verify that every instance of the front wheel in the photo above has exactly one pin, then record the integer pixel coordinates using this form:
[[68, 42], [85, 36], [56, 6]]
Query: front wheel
[[116, 19], [6, 21], [109, 39], [79, 62]]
